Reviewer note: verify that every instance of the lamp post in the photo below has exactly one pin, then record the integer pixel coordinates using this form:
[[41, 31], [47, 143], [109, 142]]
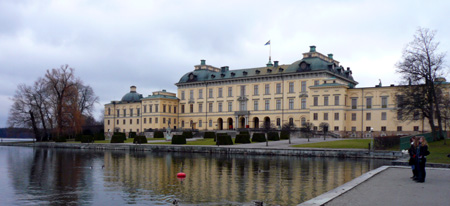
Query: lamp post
[[371, 142]]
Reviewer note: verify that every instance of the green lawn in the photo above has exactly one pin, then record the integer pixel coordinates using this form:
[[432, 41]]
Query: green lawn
[[439, 152], [339, 144]]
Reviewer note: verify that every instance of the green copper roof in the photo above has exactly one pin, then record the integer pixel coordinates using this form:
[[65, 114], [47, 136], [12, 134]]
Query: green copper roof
[[132, 97], [160, 96]]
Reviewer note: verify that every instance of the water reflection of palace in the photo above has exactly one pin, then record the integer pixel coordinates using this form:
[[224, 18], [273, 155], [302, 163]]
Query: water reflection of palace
[[229, 178]]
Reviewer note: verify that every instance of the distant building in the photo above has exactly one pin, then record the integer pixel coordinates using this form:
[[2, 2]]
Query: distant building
[[313, 89]]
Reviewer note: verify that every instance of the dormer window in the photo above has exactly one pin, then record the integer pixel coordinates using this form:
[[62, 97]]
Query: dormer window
[[213, 76], [245, 73], [280, 70], [222, 75], [257, 71], [269, 71], [233, 74]]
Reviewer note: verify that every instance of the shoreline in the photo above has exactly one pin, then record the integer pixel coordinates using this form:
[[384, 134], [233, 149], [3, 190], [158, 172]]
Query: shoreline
[[305, 152]]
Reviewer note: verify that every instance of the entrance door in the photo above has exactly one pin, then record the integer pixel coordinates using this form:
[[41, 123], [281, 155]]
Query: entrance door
[[220, 124], [256, 122], [230, 123]]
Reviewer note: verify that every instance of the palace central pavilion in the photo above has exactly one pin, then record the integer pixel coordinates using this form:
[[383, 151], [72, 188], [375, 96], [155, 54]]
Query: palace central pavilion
[[314, 89]]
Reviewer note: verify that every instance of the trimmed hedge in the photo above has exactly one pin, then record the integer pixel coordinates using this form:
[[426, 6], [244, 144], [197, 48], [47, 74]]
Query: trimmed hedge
[[242, 138], [78, 137], [140, 140], [388, 142], [188, 134], [224, 139], [131, 134], [209, 135], [118, 138], [87, 139], [258, 137], [99, 136], [178, 139], [158, 134], [285, 134], [244, 132], [273, 136]]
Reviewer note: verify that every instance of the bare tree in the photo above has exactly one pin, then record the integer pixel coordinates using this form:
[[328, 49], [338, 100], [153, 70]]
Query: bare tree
[[306, 129], [324, 127], [422, 64]]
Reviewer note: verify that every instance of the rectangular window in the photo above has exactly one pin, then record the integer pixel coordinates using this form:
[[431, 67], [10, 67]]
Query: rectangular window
[[200, 107], [291, 103], [353, 129], [164, 120], [156, 120], [210, 93], [191, 108], [182, 95], [199, 123], [124, 112], [368, 129], [325, 116], [220, 106], [118, 113], [170, 108], [399, 101], [336, 128], [210, 123], [210, 109], [336, 100], [384, 102], [316, 101], [138, 110], [383, 129], [416, 115], [399, 115], [150, 120], [230, 106], [416, 128], [291, 87], [383, 116], [175, 109], [182, 108], [325, 101], [278, 88], [230, 91], [303, 86], [131, 121], [368, 116], [336, 116], [131, 112], [255, 105], [354, 103], [303, 103], [164, 108], [316, 82], [315, 116], [369, 102], [156, 108], [220, 92], [242, 90], [191, 94], [243, 106], [200, 93], [399, 128], [278, 104], [278, 122], [108, 121], [255, 90], [145, 108], [145, 120], [267, 89], [151, 108], [267, 105], [353, 116]]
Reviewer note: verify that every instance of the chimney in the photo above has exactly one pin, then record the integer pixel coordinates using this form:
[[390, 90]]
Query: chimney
[[133, 89], [312, 48], [330, 56], [202, 62], [348, 68], [275, 63]]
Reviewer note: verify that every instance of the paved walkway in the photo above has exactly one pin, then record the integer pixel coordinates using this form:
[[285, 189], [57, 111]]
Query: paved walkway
[[390, 185]]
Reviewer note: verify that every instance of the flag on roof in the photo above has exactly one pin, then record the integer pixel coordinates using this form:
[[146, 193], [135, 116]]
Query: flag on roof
[[268, 43]]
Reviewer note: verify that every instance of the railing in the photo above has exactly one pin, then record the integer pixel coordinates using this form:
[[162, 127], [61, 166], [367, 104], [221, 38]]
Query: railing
[[405, 143]]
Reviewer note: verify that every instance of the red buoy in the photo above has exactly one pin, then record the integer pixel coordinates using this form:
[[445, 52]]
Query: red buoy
[[181, 174]]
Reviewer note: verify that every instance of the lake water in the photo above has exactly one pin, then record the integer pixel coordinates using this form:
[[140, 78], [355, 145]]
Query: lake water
[[38, 176]]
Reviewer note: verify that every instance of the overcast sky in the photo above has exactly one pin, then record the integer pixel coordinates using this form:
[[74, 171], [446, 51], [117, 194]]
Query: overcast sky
[[151, 44]]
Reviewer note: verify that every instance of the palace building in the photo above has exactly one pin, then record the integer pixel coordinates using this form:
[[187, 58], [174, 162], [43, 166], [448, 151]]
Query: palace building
[[315, 89]]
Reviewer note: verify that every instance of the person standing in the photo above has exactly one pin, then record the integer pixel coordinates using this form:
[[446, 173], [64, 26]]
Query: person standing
[[421, 152], [412, 156]]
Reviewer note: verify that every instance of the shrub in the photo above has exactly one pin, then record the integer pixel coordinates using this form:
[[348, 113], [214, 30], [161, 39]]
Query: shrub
[[224, 139], [188, 134], [273, 136], [118, 138], [382, 143], [158, 134], [60, 139], [209, 135], [242, 138], [258, 137], [178, 139], [87, 139], [131, 134], [140, 140], [285, 134], [244, 132]]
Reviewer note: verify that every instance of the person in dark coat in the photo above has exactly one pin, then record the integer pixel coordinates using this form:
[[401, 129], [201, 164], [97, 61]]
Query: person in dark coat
[[421, 152], [412, 156]]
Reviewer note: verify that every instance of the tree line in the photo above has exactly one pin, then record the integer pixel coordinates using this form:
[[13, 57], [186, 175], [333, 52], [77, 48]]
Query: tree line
[[56, 105]]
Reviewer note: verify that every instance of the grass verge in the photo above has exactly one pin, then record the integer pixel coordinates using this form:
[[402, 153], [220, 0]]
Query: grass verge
[[339, 144], [439, 152]]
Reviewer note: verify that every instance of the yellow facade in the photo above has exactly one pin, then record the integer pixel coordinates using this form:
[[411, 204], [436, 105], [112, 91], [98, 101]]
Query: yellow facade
[[315, 89]]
